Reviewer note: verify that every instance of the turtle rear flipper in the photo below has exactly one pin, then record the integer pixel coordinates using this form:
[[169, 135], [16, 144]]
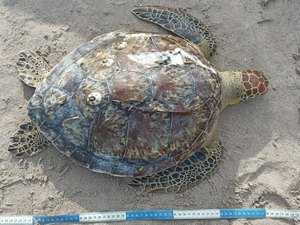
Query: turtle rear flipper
[[27, 141], [186, 174], [180, 23], [32, 68]]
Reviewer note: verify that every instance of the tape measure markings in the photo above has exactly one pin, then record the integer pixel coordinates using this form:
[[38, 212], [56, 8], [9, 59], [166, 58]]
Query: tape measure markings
[[277, 213], [197, 214], [57, 219], [243, 213], [149, 215], [103, 217], [16, 220], [134, 215]]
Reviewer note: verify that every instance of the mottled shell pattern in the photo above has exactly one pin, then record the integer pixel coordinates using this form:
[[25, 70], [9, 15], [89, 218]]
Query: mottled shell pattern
[[129, 104]]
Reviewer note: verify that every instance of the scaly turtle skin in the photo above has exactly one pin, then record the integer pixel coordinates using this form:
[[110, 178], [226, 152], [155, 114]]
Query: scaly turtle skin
[[135, 105]]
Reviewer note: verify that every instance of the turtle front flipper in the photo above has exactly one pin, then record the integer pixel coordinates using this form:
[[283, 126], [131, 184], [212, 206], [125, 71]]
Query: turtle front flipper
[[180, 23], [32, 68], [186, 174], [27, 141]]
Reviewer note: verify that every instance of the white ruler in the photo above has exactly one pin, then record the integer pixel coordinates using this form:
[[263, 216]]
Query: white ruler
[[135, 215]]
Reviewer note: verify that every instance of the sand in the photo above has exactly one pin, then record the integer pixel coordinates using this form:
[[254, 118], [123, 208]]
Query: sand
[[262, 136]]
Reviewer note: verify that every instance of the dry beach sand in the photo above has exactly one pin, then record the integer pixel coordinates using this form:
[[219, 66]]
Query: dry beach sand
[[262, 136]]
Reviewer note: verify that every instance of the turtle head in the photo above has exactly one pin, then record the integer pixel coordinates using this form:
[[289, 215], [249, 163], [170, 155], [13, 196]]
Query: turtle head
[[240, 85]]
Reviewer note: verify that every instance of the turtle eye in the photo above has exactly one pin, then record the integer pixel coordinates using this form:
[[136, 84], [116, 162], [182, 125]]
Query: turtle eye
[[94, 98]]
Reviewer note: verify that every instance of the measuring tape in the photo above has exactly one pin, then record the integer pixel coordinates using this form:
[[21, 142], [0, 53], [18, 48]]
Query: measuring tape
[[135, 215]]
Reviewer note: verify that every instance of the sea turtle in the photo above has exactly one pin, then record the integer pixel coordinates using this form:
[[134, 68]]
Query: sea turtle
[[138, 105]]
